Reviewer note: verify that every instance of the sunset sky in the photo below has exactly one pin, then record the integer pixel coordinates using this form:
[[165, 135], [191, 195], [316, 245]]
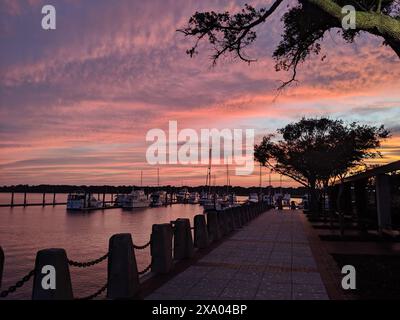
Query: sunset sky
[[76, 103]]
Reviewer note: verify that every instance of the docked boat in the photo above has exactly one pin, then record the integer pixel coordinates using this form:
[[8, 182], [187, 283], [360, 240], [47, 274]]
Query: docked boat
[[158, 199], [253, 198], [83, 201], [266, 198], [231, 201], [194, 198], [183, 196], [213, 204], [136, 199], [204, 198], [119, 200]]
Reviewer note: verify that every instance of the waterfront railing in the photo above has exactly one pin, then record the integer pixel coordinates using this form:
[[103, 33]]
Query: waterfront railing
[[169, 243]]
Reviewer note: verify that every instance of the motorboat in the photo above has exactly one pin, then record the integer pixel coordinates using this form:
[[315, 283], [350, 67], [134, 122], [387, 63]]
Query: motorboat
[[136, 199], [253, 198], [158, 199], [204, 198], [194, 198], [83, 201], [183, 196]]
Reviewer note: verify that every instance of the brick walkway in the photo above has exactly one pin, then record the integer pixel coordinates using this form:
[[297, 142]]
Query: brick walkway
[[269, 259]]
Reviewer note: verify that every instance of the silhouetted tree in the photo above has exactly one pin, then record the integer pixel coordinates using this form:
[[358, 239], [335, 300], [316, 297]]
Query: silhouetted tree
[[318, 151], [304, 27]]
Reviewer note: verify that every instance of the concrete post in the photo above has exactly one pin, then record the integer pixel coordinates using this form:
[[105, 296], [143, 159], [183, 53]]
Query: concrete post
[[383, 201], [213, 226], [183, 241], [245, 215], [229, 220], [201, 240], [122, 273], [222, 222], [236, 214], [161, 248], [1, 264], [57, 259]]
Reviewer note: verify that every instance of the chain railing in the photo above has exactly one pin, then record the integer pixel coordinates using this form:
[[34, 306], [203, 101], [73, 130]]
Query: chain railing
[[145, 270], [17, 285], [88, 263], [143, 246], [181, 229]]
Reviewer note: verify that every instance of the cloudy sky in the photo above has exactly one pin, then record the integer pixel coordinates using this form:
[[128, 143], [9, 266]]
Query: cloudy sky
[[76, 103]]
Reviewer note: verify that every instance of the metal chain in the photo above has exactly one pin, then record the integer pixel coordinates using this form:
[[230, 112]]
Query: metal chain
[[87, 264], [145, 270], [19, 284], [94, 295], [142, 247]]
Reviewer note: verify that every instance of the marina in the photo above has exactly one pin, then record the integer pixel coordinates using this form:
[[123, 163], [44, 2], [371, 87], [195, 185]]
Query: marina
[[84, 235]]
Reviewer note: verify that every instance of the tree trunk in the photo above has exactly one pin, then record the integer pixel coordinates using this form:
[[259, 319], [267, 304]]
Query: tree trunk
[[313, 199]]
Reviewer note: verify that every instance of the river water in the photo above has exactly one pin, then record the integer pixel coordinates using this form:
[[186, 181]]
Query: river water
[[24, 231]]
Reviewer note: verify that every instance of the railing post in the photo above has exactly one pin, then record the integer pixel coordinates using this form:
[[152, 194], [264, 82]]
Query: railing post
[[201, 239], [244, 215], [229, 226], [57, 259], [238, 220], [183, 241], [213, 226], [122, 275], [161, 248], [221, 223], [1, 264], [383, 201]]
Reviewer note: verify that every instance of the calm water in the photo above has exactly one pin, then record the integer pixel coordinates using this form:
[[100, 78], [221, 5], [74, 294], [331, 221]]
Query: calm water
[[24, 231]]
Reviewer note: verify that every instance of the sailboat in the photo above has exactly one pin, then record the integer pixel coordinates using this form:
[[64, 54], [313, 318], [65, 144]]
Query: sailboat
[[158, 198]]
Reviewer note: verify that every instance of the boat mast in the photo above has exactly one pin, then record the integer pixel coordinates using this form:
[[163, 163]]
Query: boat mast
[[209, 172], [158, 177]]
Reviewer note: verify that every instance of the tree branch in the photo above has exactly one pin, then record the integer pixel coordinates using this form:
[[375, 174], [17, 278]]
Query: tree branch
[[366, 21]]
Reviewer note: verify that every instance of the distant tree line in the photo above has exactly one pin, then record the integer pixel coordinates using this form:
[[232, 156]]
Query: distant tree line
[[241, 191]]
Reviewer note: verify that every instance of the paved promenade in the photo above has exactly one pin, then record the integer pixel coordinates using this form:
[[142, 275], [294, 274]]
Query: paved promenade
[[268, 259]]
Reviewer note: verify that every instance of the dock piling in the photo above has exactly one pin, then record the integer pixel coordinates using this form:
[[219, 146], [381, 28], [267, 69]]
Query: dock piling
[[183, 241], [201, 239], [56, 258], [213, 226], [122, 275], [12, 199], [25, 199], [161, 248]]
